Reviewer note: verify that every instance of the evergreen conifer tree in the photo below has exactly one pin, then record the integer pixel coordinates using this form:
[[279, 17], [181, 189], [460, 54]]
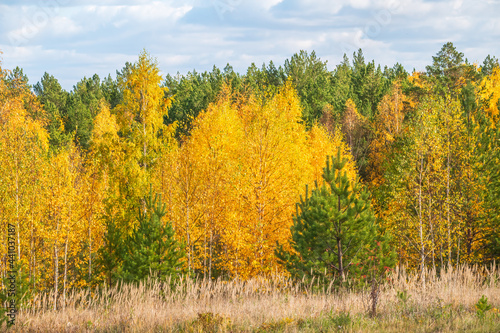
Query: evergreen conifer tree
[[16, 292], [152, 249], [112, 253], [335, 231], [489, 169]]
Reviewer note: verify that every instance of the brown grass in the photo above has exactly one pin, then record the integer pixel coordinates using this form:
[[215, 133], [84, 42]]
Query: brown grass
[[445, 303]]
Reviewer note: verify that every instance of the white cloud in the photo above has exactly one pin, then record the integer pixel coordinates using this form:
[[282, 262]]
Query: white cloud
[[153, 11], [21, 52], [360, 4], [64, 26], [81, 37]]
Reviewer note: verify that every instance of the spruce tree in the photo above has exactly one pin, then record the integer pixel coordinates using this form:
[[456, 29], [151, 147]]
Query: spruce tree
[[152, 248], [335, 233]]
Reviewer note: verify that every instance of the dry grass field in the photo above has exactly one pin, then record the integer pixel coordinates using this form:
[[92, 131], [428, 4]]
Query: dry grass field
[[446, 303]]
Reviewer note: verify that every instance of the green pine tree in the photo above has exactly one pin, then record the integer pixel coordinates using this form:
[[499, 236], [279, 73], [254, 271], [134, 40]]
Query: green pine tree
[[112, 253], [489, 171], [312, 80], [16, 292], [53, 98], [335, 233], [152, 248]]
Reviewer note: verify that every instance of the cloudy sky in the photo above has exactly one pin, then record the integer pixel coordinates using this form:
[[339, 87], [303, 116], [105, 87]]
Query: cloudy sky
[[71, 39]]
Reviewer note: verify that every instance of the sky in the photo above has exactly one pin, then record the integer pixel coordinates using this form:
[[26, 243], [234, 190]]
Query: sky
[[72, 39]]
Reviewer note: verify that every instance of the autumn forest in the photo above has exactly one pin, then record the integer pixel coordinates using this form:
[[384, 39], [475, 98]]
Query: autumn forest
[[295, 170]]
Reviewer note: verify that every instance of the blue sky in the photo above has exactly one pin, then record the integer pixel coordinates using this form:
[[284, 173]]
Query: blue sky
[[73, 39]]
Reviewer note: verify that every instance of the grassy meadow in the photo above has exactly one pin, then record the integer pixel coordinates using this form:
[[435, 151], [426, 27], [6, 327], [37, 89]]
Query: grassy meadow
[[450, 302]]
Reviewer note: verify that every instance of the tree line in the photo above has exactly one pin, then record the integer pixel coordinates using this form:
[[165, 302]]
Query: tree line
[[292, 169]]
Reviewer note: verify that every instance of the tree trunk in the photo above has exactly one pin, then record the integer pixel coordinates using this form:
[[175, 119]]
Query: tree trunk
[[431, 225], [143, 116], [65, 269], [144, 147], [448, 190], [34, 269], [339, 244], [32, 247], [56, 273], [205, 250], [187, 233], [420, 221], [17, 214], [56, 262], [90, 248], [339, 257], [210, 258]]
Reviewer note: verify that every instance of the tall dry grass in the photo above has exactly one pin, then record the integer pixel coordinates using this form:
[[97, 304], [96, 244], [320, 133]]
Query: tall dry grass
[[249, 305]]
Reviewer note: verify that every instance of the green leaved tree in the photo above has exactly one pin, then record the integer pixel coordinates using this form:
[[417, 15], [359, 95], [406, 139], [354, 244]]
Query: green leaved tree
[[335, 233]]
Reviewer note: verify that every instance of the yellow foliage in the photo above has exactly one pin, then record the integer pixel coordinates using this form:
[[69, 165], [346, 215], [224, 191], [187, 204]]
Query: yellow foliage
[[388, 125], [433, 212], [488, 91], [45, 196], [233, 185], [322, 144], [418, 80], [129, 141]]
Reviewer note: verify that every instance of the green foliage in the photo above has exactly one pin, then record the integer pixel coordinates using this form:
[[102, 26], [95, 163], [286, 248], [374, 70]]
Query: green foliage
[[342, 88], [111, 91], [468, 100], [152, 249], [404, 305], [53, 98], [312, 81], [82, 106], [446, 61], [488, 169], [18, 291], [334, 231], [447, 68], [403, 296], [79, 120], [71, 115], [441, 311], [396, 73], [112, 253], [341, 321], [482, 306], [365, 84], [49, 90], [17, 82], [264, 80], [489, 63], [193, 92], [369, 85]]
